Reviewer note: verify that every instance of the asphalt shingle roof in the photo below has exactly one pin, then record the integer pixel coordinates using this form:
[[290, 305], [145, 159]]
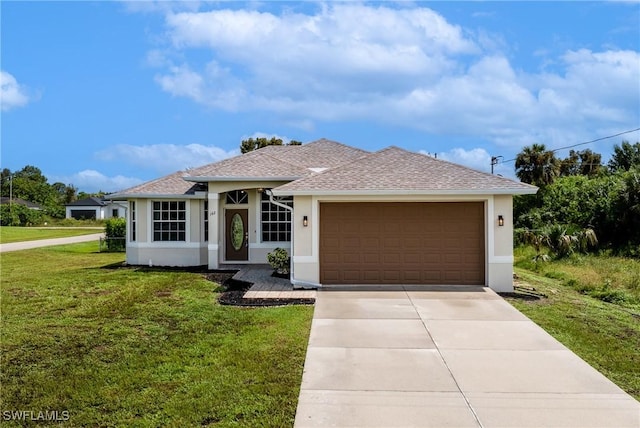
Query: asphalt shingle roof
[[396, 170], [280, 161], [88, 202], [326, 166], [172, 184]]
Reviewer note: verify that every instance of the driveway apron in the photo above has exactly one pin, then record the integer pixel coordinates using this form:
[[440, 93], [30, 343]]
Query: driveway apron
[[450, 357]]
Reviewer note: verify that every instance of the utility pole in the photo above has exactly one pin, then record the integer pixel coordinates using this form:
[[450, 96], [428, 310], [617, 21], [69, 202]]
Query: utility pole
[[494, 161], [10, 192]]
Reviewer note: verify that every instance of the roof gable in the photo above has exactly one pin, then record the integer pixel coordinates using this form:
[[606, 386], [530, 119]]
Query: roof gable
[[172, 184], [281, 162], [394, 170], [259, 164]]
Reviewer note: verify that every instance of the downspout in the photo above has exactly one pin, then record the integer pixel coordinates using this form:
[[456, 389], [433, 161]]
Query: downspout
[[292, 277]]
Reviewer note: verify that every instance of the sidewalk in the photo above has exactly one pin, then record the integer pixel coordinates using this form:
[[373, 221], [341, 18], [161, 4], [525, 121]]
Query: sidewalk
[[27, 245]]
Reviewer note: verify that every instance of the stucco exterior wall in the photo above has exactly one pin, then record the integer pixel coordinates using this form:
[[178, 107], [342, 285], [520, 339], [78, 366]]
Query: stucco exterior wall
[[145, 251], [500, 245]]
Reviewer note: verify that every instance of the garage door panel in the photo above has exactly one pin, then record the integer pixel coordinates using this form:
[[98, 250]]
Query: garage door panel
[[390, 260], [385, 243], [411, 258], [352, 276], [391, 276], [371, 277], [350, 258]]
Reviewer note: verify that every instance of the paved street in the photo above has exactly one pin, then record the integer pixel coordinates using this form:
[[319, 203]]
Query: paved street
[[27, 245]]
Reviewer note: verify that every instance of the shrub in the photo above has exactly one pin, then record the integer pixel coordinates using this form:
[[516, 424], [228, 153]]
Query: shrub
[[279, 260], [116, 232], [19, 215]]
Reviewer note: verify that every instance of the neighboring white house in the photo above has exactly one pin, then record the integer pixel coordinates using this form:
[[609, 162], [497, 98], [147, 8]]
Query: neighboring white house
[[95, 209], [346, 216]]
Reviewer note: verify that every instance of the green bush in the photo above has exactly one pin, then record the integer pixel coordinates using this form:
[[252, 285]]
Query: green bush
[[116, 231], [19, 215], [608, 205], [279, 260]]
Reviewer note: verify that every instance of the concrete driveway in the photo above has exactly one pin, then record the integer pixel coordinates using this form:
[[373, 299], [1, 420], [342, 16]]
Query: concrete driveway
[[454, 357]]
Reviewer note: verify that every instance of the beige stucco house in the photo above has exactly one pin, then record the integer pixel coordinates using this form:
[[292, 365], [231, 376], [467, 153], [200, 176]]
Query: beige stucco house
[[345, 215]]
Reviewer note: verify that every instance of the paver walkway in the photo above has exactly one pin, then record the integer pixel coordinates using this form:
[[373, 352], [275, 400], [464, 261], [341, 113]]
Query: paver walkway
[[463, 358], [266, 286], [27, 245]]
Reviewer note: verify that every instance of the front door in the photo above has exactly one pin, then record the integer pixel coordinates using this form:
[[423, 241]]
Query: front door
[[236, 235]]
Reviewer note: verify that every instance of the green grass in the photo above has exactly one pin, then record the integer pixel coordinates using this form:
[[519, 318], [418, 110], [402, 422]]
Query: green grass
[[603, 333], [607, 278], [10, 234], [138, 347]]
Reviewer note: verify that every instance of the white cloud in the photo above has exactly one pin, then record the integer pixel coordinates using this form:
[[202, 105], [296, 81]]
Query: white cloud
[[408, 67], [90, 181], [12, 94], [165, 158], [477, 158]]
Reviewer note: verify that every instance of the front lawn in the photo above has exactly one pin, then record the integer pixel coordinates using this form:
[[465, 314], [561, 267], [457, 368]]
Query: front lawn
[[125, 346], [10, 234], [602, 330]]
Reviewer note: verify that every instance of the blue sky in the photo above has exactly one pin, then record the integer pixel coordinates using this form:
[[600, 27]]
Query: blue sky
[[105, 95]]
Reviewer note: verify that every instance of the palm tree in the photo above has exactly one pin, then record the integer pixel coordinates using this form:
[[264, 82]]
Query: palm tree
[[537, 165]]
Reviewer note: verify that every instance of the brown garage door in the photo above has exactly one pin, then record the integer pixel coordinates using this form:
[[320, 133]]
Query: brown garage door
[[402, 243]]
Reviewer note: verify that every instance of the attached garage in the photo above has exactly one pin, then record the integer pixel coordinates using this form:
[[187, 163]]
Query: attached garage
[[83, 214], [402, 243]]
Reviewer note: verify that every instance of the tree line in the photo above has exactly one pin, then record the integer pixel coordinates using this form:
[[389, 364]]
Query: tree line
[[580, 198], [29, 184]]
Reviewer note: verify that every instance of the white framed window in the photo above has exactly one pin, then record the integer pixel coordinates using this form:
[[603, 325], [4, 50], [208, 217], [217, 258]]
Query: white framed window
[[205, 225], [169, 221], [237, 197], [275, 220], [132, 216]]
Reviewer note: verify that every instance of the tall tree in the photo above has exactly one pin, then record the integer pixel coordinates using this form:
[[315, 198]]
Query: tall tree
[[537, 165], [585, 162], [625, 156], [570, 165], [252, 144], [29, 184]]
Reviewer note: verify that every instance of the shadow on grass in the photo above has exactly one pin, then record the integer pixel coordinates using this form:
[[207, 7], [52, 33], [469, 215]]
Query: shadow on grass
[[524, 295]]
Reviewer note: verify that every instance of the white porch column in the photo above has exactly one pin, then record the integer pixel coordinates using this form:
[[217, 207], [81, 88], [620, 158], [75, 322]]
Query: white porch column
[[214, 227]]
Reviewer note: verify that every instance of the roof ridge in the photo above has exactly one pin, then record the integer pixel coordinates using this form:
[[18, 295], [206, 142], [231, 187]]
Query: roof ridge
[[338, 167]]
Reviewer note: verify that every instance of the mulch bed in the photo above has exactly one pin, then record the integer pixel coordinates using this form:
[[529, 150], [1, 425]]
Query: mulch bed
[[234, 290]]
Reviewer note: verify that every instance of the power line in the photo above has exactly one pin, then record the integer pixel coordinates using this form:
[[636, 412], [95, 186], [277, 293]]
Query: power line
[[582, 144]]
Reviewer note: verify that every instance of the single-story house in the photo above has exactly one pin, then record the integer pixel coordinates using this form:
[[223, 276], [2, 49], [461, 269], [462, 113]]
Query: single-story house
[[4, 200], [345, 215], [94, 208]]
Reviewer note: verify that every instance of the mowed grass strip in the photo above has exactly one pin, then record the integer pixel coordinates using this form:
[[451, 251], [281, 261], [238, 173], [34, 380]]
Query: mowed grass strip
[[9, 234], [605, 335], [138, 347]]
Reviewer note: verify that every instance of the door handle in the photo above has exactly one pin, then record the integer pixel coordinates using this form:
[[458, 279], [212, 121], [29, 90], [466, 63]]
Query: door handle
[[246, 239]]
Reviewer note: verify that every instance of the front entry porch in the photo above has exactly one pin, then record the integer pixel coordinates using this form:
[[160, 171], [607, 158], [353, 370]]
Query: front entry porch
[[266, 286]]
